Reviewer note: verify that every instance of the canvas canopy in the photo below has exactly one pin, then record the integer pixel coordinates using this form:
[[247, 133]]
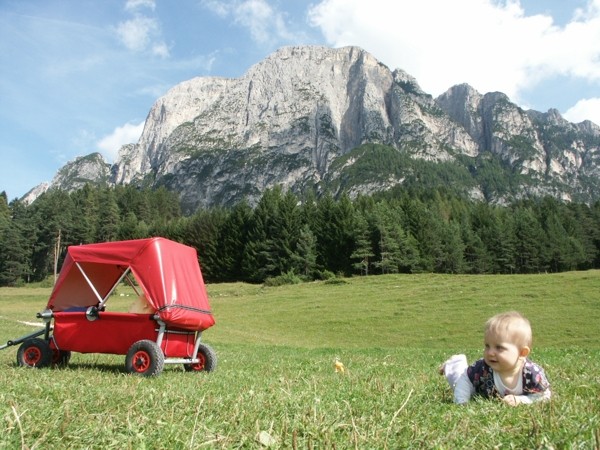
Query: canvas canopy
[[167, 272]]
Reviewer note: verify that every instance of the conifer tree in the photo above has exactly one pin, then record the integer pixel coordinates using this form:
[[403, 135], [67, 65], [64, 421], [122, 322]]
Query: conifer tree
[[304, 259], [363, 249], [203, 231], [528, 234], [260, 254], [234, 238], [108, 218]]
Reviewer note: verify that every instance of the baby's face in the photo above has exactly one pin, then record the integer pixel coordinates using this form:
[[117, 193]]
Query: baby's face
[[501, 354]]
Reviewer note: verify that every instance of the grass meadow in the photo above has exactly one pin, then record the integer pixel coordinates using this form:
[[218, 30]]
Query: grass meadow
[[275, 384]]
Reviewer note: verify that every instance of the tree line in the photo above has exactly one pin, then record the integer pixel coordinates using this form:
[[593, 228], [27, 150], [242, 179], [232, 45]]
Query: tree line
[[309, 238]]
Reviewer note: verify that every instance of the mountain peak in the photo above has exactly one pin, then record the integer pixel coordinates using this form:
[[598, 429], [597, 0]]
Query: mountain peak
[[301, 118]]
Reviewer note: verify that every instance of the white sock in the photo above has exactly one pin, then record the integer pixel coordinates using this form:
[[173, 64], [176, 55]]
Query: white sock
[[454, 367]]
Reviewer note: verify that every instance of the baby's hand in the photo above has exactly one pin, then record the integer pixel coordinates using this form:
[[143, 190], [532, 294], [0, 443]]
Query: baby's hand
[[512, 400]]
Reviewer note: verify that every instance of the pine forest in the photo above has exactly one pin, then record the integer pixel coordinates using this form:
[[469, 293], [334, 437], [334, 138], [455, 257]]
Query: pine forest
[[285, 238]]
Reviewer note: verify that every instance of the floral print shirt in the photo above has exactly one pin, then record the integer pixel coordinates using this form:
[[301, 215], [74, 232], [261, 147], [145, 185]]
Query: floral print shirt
[[481, 376]]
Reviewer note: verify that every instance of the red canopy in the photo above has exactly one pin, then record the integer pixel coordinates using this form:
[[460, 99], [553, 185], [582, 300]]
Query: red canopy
[[167, 272]]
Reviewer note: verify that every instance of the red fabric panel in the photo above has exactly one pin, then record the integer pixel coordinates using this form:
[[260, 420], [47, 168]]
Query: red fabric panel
[[116, 253], [115, 333], [178, 345], [180, 297], [111, 333]]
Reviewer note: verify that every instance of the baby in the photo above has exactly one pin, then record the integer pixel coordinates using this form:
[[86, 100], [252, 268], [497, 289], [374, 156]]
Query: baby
[[504, 371], [141, 306]]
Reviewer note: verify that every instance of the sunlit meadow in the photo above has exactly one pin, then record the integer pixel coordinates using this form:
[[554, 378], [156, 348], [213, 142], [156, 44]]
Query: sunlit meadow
[[276, 385]]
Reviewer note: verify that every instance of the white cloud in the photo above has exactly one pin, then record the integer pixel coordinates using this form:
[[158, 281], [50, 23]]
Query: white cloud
[[586, 109], [266, 25], [132, 5], [258, 17], [142, 32], [127, 134], [219, 7], [161, 49], [136, 34], [489, 44]]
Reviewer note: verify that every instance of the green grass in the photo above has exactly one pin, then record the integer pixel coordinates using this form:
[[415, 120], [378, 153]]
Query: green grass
[[275, 380]]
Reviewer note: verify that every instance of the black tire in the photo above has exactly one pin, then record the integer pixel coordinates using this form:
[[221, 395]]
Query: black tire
[[34, 353], [60, 358], [208, 360], [145, 358]]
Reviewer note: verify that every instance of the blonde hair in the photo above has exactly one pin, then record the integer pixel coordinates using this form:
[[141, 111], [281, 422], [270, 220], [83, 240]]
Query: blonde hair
[[513, 325]]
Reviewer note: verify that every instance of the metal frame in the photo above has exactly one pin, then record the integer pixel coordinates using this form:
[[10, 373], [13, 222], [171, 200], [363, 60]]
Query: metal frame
[[161, 333], [102, 301]]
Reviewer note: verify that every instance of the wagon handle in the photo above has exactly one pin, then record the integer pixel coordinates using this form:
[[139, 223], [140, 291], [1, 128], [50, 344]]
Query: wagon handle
[[22, 339]]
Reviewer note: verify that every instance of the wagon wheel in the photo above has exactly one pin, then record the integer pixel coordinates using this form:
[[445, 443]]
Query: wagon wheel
[[60, 358], [34, 353], [145, 358], [208, 360]]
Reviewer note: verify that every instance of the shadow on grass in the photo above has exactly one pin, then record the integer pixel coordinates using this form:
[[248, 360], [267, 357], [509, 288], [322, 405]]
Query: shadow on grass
[[111, 368], [97, 367], [94, 367]]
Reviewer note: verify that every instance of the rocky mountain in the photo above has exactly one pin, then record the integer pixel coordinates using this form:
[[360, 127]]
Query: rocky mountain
[[316, 118]]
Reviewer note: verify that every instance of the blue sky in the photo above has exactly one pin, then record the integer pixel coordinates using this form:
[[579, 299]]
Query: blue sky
[[80, 76]]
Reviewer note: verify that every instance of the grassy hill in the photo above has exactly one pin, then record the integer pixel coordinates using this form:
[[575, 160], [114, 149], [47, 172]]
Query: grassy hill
[[275, 384], [411, 311]]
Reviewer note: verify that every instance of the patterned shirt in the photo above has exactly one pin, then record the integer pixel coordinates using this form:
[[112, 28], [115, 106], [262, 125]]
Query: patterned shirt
[[481, 376]]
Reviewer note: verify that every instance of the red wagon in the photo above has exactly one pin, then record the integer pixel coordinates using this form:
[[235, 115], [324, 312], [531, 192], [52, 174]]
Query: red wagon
[[164, 327]]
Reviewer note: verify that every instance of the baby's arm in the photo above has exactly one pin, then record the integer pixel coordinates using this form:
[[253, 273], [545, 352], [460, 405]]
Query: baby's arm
[[527, 399], [463, 390], [538, 391]]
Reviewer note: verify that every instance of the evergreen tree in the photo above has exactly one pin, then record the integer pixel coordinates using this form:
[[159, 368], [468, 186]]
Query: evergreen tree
[[452, 249], [136, 201], [234, 238], [529, 236], [86, 210], [595, 219], [335, 233], [108, 218], [164, 205], [309, 213], [564, 251], [260, 255], [52, 216], [284, 232], [4, 210], [14, 265], [580, 224], [387, 240], [304, 259], [203, 232], [363, 249], [132, 228], [427, 229], [505, 251], [409, 253]]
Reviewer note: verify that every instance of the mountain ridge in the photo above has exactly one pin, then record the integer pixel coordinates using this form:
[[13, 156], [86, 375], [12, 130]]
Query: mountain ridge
[[294, 118]]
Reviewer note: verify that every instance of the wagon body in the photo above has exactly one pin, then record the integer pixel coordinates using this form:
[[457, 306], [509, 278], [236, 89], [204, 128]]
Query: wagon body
[[164, 273], [115, 333]]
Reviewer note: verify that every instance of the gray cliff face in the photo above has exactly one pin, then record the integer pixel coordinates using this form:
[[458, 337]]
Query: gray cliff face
[[284, 122], [552, 152], [295, 118], [91, 169]]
